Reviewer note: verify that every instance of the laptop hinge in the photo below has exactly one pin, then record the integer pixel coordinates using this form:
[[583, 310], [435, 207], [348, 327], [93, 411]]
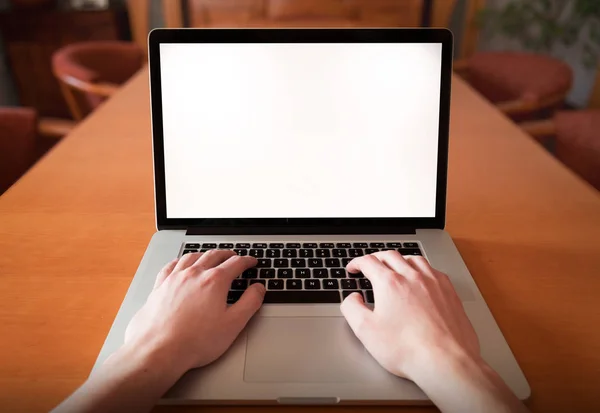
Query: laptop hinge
[[242, 230]]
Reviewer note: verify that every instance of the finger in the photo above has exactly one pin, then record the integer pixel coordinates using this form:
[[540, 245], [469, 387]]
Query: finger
[[235, 265], [187, 260], [164, 273], [212, 258], [248, 304], [357, 315], [395, 261], [420, 264], [376, 271]]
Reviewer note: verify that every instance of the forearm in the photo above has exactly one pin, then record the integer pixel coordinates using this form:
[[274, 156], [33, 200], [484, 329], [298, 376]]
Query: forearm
[[132, 380], [468, 385]]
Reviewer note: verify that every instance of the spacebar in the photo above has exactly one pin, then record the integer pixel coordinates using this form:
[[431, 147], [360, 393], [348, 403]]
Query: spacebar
[[285, 297]]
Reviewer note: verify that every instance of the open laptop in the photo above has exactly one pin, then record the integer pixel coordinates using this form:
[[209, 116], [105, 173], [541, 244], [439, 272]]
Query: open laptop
[[304, 148]]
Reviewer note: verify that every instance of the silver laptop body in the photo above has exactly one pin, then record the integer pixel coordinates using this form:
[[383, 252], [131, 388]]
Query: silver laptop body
[[253, 108]]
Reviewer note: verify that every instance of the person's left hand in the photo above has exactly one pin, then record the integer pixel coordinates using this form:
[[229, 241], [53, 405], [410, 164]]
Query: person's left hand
[[186, 322]]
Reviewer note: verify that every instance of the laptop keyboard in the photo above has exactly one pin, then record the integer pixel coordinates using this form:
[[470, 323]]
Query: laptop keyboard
[[307, 272]]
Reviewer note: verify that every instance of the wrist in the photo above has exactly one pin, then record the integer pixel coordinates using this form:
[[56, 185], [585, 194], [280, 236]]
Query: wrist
[[152, 362], [450, 362]]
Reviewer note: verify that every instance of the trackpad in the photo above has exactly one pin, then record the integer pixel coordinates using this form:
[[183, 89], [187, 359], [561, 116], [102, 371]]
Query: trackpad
[[306, 349]]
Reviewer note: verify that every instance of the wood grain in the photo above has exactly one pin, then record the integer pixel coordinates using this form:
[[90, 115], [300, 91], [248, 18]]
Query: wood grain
[[73, 230]]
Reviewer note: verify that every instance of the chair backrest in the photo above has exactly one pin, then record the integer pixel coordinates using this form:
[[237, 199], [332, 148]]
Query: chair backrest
[[86, 70]]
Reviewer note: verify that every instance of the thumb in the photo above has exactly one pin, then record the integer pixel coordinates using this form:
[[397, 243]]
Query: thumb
[[357, 314], [248, 304]]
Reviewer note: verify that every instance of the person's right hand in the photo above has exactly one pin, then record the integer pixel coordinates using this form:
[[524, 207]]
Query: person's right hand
[[417, 314]]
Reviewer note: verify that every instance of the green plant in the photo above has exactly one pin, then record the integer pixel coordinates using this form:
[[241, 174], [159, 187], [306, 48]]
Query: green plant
[[539, 25]]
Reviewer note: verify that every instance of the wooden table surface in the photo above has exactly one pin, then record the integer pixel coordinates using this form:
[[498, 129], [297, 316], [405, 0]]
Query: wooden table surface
[[73, 230]]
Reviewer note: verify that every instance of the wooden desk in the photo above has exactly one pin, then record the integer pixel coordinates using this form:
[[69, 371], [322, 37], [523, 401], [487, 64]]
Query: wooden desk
[[73, 230]]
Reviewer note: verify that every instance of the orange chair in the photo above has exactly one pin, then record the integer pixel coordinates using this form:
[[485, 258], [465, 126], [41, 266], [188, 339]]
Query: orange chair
[[577, 140], [519, 83], [90, 72]]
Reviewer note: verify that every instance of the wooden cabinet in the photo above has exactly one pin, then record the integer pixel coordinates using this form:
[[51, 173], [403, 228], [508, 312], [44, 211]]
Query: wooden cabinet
[[32, 36], [307, 13]]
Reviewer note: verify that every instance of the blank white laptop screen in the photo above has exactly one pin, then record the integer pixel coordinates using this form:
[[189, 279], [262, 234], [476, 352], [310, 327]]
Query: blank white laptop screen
[[300, 130]]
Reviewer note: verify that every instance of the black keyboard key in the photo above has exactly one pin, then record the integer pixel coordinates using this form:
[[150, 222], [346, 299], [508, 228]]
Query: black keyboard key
[[339, 253], [309, 245], [377, 245], [323, 253], [370, 297], [346, 293], [388, 249], [365, 284], [394, 244], [349, 284], [346, 261], [344, 245], [330, 284], [250, 273], [315, 262], [275, 284], [259, 245], [276, 245], [192, 246], [302, 273], [326, 245], [267, 273], [254, 281], [209, 246], [239, 284], [188, 252], [304, 253], [281, 263], [292, 245], [355, 252], [312, 284], [285, 273], [332, 262], [320, 273], [293, 284], [409, 251], [271, 253], [256, 253], [264, 263], [371, 250], [298, 262], [287, 253], [302, 297], [242, 245], [356, 275], [411, 245], [241, 252], [233, 296], [225, 246], [338, 273], [203, 250], [360, 245]]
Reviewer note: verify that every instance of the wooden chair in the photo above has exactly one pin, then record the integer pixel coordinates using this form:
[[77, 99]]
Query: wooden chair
[[22, 141], [576, 140], [519, 83], [90, 72]]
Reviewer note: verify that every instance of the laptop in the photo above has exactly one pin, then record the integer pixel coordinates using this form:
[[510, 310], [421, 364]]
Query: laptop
[[303, 148]]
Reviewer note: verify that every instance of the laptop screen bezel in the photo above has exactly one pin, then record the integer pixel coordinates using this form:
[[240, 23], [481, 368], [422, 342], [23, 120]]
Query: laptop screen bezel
[[358, 225]]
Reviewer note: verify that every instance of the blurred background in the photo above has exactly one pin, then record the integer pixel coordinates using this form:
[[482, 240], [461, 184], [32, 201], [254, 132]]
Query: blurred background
[[536, 60]]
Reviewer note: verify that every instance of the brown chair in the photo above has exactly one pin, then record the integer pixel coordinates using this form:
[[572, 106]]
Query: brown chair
[[22, 141], [577, 140], [90, 72], [519, 83]]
